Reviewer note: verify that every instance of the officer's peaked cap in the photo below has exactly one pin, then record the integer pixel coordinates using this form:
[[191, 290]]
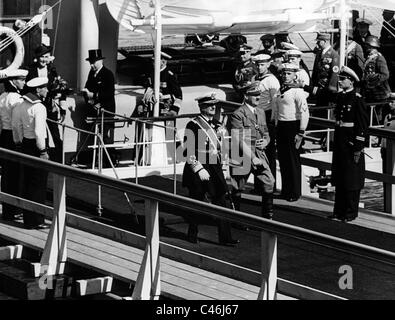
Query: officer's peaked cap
[[323, 36], [269, 37], [349, 73], [245, 47], [364, 21], [37, 82], [207, 100], [253, 89], [288, 46], [17, 73]]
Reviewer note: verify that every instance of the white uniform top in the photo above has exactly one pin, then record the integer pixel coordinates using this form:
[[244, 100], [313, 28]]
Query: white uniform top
[[29, 121], [8, 101], [269, 87], [292, 106]]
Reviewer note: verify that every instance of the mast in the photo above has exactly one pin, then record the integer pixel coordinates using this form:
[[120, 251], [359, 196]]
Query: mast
[[343, 30], [158, 46]]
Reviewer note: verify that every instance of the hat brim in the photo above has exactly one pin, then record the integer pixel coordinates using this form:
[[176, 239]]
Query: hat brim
[[94, 59]]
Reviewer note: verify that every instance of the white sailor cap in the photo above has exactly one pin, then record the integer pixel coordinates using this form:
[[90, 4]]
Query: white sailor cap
[[37, 82], [294, 53], [289, 67], [261, 58], [17, 73], [288, 46]]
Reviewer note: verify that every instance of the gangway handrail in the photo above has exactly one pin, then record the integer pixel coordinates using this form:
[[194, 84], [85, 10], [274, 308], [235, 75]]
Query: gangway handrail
[[190, 205]]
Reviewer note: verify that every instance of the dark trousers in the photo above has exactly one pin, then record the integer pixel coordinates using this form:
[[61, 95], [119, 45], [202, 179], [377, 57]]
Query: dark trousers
[[270, 150], [289, 158], [10, 176], [56, 151], [207, 192], [35, 184], [346, 203]]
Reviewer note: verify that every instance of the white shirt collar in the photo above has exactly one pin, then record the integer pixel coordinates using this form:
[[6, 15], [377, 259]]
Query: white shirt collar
[[98, 71]]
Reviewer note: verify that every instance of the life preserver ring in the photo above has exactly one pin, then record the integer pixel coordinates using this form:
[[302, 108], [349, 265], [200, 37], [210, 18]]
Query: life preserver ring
[[20, 50]]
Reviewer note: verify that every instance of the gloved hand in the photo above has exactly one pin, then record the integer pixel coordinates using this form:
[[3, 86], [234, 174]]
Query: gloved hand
[[298, 141], [204, 175], [44, 155], [256, 162], [357, 156], [260, 144]]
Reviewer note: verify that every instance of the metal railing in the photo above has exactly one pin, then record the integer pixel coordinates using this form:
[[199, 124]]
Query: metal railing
[[148, 281]]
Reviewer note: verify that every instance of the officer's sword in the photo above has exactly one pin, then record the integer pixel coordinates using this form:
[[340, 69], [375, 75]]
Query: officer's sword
[[363, 152]]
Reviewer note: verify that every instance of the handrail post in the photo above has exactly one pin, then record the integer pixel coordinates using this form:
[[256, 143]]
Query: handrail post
[[175, 159], [148, 281], [55, 251], [389, 189], [268, 289]]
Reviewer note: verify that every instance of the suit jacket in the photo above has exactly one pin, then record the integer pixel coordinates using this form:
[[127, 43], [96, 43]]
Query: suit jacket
[[326, 70], [246, 129], [202, 145], [103, 88]]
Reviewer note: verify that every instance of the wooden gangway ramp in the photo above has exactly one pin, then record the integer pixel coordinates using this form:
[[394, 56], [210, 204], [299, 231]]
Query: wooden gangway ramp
[[178, 280]]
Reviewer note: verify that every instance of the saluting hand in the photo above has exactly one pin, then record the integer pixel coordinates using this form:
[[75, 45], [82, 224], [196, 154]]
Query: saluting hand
[[204, 175]]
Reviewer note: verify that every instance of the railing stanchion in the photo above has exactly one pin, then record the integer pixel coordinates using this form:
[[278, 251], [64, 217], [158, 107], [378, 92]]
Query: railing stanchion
[[175, 159], [148, 280], [268, 289], [55, 251]]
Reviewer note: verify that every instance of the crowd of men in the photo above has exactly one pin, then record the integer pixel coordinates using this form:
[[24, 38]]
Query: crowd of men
[[275, 87], [31, 107]]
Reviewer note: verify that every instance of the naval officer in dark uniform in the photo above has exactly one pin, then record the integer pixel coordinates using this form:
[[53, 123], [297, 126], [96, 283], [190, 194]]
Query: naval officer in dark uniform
[[348, 163], [250, 137], [203, 175]]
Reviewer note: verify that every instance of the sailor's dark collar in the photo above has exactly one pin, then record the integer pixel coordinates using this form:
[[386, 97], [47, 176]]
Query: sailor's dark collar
[[32, 98]]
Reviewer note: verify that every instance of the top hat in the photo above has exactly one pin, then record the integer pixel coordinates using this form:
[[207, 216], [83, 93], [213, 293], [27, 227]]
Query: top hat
[[41, 50], [95, 55]]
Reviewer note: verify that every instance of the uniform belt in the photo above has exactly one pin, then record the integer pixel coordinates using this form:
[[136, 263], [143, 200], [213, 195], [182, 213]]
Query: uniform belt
[[345, 124]]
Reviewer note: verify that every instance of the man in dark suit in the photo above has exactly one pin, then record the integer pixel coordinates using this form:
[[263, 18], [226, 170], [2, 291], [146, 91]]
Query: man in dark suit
[[250, 137], [43, 67], [203, 175], [99, 92]]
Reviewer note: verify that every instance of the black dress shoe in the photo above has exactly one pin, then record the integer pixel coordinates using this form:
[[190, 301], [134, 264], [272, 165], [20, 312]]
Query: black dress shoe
[[348, 219], [229, 243]]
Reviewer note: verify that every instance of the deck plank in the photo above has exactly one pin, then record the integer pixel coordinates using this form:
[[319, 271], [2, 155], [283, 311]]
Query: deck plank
[[121, 261]]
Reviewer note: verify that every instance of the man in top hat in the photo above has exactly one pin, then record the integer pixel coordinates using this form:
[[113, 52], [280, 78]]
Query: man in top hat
[[203, 175], [29, 122], [99, 94], [12, 97], [362, 30], [250, 137], [43, 67], [291, 116], [269, 87], [325, 71], [348, 163], [245, 70]]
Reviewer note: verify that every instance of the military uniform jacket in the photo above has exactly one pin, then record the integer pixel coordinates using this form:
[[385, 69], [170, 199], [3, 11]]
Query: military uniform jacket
[[244, 74], [202, 149], [103, 87], [326, 70], [246, 128], [352, 121], [375, 78]]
